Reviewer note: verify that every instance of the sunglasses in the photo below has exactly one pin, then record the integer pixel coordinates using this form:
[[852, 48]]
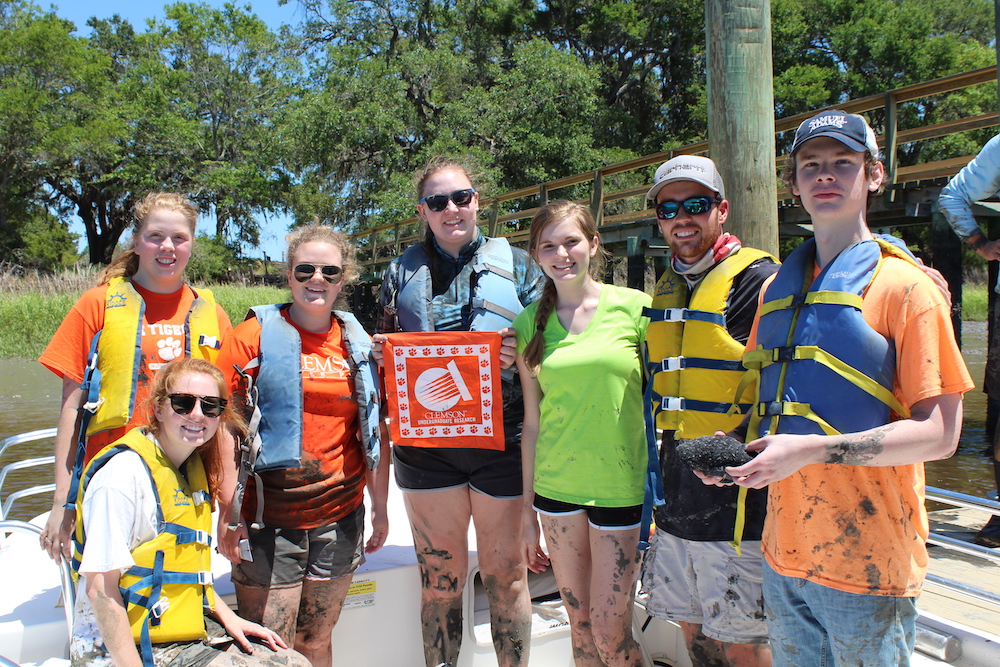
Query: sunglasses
[[668, 210], [183, 404], [438, 203], [331, 273]]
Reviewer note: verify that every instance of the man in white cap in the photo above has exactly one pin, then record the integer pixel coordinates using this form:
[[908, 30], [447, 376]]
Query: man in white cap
[[702, 572], [860, 382]]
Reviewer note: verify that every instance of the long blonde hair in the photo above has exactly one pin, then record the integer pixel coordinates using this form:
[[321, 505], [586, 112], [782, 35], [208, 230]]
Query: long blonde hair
[[557, 211], [230, 419], [126, 263]]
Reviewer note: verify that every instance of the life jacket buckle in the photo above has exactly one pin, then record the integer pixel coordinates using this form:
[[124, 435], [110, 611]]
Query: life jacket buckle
[[203, 537], [784, 355], [772, 409], [671, 404], [205, 578], [672, 364], [159, 608], [675, 314]]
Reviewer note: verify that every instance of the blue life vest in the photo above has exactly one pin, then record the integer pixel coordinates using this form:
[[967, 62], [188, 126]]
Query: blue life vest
[[274, 441], [494, 297], [822, 368]]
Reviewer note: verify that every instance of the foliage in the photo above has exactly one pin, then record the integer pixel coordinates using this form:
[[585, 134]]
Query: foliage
[[328, 120]]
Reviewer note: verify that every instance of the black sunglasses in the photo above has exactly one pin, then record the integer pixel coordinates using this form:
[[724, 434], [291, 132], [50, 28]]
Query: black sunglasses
[[183, 404], [438, 203], [694, 206], [331, 273]]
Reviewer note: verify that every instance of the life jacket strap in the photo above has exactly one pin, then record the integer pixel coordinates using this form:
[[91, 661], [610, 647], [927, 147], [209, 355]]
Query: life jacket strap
[[793, 409], [479, 303], [91, 388], [683, 315], [671, 364], [741, 520]]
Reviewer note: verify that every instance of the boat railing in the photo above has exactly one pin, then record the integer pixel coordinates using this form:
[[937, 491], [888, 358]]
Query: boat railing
[[65, 576], [956, 499], [41, 461]]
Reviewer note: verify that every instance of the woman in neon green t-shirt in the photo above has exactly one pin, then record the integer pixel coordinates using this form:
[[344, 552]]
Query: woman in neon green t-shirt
[[583, 443]]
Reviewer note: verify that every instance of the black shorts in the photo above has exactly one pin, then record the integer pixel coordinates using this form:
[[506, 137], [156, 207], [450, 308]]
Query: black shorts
[[608, 518], [490, 472]]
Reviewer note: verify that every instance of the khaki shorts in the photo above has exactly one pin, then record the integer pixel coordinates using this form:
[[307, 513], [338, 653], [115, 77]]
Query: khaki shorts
[[708, 584], [283, 557]]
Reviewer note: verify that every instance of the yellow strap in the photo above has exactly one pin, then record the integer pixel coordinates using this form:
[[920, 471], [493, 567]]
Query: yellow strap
[[821, 297], [853, 376], [741, 519], [804, 410], [749, 379]]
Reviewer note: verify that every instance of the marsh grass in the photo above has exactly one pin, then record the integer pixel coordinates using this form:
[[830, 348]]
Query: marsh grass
[[975, 300], [30, 315]]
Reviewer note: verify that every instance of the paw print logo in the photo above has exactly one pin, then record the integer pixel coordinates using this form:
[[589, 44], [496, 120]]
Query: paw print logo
[[460, 430], [473, 429], [485, 378], [468, 350], [488, 430], [412, 351], [420, 432], [401, 381], [403, 407], [403, 419], [454, 350], [487, 403], [440, 351], [484, 363], [433, 431], [426, 351], [402, 393], [400, 368], [487, 417], [487, 389], [399, 351], [484, 349], [446, 431], [169, 348], [405, 433]]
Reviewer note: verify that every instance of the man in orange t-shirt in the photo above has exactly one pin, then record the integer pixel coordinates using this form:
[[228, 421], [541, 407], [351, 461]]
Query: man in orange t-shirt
[[844, 538]]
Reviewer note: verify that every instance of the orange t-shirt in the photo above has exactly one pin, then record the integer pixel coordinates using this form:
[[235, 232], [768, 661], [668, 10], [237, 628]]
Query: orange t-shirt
[[863, 529], [162, 340], [330, 481]]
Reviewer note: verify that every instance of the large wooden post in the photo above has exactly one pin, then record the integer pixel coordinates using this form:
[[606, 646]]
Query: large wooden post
[[741, 116]]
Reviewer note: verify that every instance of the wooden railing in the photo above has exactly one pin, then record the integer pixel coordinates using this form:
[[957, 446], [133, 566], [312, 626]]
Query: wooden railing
[[376, 246]]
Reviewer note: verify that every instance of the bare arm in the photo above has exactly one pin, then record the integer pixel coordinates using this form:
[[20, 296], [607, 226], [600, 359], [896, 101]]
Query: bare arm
[[534, 556], [378, 491], [55, 538], [112, 621], [929, 434]]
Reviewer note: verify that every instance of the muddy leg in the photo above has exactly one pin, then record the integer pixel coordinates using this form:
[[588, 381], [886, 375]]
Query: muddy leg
[[276, 608], [505, 576], [440, 524], [319, 610], [614, 569]]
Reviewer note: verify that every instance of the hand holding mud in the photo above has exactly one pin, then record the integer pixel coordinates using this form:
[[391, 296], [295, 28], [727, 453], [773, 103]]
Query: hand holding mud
[[712, 454]]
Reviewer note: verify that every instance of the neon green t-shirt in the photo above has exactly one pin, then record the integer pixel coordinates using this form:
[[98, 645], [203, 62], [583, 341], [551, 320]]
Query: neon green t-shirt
[[591, 447]]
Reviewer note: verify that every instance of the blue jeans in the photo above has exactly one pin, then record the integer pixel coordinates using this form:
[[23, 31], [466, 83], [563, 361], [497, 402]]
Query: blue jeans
[[814, 625]]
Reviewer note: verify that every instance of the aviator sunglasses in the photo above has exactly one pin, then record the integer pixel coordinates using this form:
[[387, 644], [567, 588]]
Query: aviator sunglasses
[[183, 404], [331, 273], [668, 210], [438, 203]]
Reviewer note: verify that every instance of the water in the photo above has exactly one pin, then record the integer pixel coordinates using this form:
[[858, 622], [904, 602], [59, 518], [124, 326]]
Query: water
[[30, 397]]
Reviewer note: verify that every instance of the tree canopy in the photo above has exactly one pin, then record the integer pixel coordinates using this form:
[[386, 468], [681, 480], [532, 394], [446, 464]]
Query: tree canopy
[[328, 119]]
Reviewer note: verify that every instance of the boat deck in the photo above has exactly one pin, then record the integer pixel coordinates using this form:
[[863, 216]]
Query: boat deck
[[962, 524]]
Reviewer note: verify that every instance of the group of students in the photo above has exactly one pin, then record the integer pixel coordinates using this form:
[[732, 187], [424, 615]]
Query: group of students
[[802, 569]]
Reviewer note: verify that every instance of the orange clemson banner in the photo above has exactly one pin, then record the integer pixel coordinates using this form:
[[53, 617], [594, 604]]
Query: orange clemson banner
[[444, 389]]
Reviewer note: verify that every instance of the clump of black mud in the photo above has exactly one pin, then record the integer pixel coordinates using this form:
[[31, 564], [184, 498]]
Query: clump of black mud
[[712, 454]]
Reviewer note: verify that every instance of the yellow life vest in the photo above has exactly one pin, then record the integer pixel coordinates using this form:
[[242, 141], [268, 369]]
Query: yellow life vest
[[167, 590], [695, 362], [119, 349]]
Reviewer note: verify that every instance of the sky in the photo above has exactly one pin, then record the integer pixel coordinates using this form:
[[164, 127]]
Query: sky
[[272, 240]]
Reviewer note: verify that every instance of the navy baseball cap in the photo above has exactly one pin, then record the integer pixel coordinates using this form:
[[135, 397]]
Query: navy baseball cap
[[851, 130]]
